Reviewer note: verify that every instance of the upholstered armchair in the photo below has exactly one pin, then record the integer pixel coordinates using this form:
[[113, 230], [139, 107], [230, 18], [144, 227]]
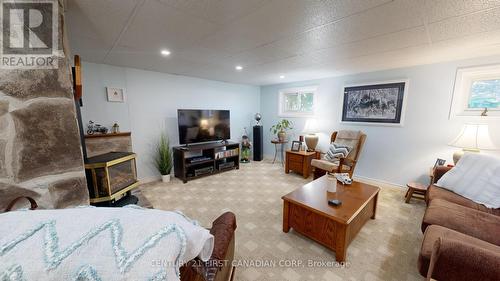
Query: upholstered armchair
[[354, 139]]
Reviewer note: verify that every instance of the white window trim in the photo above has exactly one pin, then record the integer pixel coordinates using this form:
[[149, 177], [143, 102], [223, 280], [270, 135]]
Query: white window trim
[[461, 91], [281, 103]]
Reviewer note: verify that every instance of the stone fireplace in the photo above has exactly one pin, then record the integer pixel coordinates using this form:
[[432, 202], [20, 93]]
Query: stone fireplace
[[40, 150]]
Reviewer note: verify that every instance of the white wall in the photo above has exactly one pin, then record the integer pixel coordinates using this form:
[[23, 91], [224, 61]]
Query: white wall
[[392, 154], [96, 77], [152, 102]]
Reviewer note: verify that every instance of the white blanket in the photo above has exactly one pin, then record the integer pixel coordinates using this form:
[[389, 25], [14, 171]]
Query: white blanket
[[99, 244], [476, 177]]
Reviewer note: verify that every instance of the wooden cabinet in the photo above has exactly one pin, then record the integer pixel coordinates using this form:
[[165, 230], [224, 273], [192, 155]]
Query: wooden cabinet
[[300, 161]]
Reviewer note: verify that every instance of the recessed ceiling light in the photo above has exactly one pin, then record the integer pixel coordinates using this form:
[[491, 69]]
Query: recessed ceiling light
[[238, 67], [282, 76], [165, 52]]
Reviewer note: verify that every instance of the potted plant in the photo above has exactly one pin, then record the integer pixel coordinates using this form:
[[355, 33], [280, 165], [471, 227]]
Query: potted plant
[[280, 128], [164, 158]]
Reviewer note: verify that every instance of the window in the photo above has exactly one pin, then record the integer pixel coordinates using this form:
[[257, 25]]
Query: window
[[297, 102], [476, 88], [485, 94]]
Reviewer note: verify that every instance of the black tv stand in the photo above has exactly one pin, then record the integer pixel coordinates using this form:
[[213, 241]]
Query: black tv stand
[[220, 157]]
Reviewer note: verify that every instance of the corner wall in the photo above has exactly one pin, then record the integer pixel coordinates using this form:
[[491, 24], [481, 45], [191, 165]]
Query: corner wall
[[395, 155]]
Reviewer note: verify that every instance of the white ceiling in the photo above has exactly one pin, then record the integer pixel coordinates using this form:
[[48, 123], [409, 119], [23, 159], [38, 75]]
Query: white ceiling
[[301, 39]]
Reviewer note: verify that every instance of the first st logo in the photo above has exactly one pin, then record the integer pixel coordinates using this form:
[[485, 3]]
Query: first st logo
[[29, 34]]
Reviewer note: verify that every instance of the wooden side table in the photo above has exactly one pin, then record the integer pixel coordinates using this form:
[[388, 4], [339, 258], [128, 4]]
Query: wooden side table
[[300, 161], [414, 189]]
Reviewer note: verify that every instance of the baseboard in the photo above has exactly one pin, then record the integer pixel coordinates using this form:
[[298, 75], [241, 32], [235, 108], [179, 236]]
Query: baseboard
[[377, 182], [149, 179]]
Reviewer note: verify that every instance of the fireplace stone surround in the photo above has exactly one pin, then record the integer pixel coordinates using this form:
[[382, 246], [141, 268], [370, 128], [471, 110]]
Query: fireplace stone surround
[[40, 150]]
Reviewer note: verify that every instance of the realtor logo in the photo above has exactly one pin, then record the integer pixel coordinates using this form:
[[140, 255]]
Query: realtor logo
[[29, 37]]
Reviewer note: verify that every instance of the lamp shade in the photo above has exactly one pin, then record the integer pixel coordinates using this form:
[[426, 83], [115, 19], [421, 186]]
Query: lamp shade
[[311, 126], [474, 136]]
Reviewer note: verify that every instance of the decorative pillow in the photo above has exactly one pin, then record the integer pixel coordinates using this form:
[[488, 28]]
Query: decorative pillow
[[337, 151], [476, 177]]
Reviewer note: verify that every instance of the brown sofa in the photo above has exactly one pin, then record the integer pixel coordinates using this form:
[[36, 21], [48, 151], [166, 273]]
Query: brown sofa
[[461, 237]]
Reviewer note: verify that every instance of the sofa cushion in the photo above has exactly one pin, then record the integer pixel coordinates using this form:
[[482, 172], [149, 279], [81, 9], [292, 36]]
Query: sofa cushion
[[434, 232], [476, 177], [468, 221], [436, 192]]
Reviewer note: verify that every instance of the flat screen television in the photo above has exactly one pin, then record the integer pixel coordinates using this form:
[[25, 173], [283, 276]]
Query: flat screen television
[[203, 125]]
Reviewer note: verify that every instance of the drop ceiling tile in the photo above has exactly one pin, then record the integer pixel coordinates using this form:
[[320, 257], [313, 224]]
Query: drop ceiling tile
[[465, 25], [157, 25], [280, 19], [300, 39], [205, 55], [373, 46], [437, 10], [264, 54], [90, 29], [217, 11], [124, 56], [352, 29]]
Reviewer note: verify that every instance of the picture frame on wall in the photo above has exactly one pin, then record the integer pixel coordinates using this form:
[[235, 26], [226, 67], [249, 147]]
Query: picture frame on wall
[[115, 94], [381, 103], [439, 162]]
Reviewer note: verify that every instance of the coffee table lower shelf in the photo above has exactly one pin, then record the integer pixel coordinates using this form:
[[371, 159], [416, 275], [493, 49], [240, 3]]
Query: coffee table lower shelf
[[323, 229]]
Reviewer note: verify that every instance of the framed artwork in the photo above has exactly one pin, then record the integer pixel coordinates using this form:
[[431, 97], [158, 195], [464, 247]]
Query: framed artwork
[[297, 102], [296, 145], [439, 162], [115, 94], [476, 92], [381, 103]]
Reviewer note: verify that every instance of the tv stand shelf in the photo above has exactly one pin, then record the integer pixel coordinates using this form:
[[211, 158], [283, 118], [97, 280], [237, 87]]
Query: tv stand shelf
[[186, 170]]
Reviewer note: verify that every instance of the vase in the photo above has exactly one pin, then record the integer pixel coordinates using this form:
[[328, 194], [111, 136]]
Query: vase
[[281, 136], [165, 178]]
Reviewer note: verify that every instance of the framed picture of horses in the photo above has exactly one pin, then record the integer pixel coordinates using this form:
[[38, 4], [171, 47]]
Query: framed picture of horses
[[381, 103]]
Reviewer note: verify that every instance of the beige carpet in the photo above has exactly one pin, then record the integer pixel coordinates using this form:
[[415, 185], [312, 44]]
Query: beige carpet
[[385, 249]]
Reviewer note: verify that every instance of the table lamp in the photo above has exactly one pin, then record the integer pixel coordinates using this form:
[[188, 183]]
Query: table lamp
[[472, 138], [311, 138]]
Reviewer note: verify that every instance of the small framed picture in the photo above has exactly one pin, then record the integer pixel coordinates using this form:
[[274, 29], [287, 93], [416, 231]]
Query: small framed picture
[[115, 94], [296, 145], [439, 162]]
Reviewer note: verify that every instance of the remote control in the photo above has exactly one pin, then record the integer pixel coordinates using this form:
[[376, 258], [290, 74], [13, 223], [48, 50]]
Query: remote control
[[334, 202]]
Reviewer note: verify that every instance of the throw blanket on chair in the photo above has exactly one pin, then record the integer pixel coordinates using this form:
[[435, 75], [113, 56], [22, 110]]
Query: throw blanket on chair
[[91, 244]]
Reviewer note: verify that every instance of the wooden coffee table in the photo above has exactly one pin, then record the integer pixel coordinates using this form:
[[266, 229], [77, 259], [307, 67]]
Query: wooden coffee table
[[306, 210]]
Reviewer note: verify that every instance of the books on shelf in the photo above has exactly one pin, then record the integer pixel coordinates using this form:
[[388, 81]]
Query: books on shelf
[[227, 153]]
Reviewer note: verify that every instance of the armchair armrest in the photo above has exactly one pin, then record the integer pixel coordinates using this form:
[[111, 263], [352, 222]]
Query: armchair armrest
[[32, 201], [438, 172], [456, 260], [347, 162], [219, 267]]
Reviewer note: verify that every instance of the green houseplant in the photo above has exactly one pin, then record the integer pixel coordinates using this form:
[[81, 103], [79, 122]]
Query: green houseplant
[[280, 128], [164, 157]]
